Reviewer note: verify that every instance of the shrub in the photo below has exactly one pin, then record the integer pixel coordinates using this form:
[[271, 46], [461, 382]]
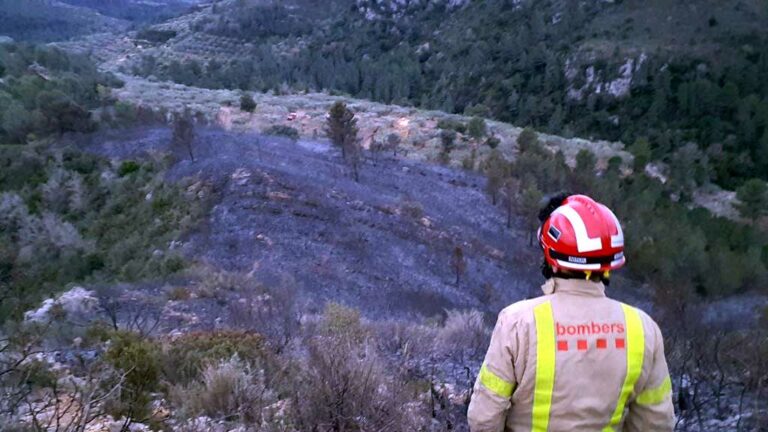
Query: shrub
[[344, 322], [282, 130], [247, 103], [178, 293], [463, 330], [346, 386], [156, 36], [477, 128], [127, 168], [452, 125], [125, 113], [138, 359], [184, 358], [492, 141], [271, 312], [230, 389], [412, 209]]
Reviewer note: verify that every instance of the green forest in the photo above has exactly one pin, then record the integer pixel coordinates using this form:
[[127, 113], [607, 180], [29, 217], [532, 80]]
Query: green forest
[[65, 215], [45, 21], [46, 91], [684, 253], [510, 62]]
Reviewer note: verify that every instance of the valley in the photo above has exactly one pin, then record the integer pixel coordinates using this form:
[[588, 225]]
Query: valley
[[183, 247]]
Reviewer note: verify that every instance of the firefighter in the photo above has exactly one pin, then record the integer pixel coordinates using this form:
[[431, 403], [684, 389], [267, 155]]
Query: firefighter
[[573, 359]]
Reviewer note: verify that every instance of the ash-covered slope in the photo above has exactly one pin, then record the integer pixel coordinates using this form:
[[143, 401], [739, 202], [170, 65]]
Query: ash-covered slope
[[288, 210]]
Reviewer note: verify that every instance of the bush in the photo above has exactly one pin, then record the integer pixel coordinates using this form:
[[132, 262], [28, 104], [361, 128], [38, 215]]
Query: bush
[[452, 125], [477, 128], [138, 359], [230, 389], [492, 141], [179, 293], [156, 36], [247, 103], [344, 322], [282, 130], [127, 168], [346, 386], [185, 358], [463, 330], [412, 209]]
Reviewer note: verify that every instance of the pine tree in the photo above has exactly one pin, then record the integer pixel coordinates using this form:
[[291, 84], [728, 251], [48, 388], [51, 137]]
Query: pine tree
[[496, 169], [247, 103], [511, 190], [527, 141], [183, 134], [753, 197], [583, 176], [477, 128], [341, 127], [641, 149], [531, 202], [393, 143], [448, 140], [761, 153], [458, 263]]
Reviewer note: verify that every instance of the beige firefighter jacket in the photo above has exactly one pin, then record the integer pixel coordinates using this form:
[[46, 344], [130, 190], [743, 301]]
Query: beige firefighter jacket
[[573, 360]]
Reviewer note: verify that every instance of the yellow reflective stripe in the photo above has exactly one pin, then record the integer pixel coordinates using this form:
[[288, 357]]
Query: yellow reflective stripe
[[655, 395], [495, 383], [635, 347], [545, 366]]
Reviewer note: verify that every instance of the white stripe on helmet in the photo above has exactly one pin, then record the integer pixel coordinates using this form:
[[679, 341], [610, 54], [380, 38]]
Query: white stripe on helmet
[[575, 266], [583, 242], [618, 239]]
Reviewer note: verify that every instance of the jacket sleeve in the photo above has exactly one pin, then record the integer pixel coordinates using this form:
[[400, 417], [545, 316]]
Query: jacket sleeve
[[495, 381], [652, 409]]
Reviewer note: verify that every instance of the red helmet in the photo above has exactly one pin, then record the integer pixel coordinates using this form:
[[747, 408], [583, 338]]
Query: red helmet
[[583, 235]]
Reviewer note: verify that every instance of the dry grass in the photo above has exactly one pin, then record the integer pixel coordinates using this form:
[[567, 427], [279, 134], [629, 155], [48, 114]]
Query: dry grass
[[463, 330], [229, 390]]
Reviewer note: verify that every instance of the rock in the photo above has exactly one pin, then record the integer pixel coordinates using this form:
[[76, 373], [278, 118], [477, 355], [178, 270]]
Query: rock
[[241, 176], [278, 196], [264, 239], [76, 302]]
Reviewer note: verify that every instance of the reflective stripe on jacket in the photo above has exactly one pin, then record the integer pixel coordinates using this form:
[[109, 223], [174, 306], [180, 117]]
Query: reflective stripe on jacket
[[573, 360]]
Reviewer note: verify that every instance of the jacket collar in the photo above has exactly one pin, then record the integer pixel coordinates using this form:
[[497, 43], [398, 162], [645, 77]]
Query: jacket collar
[[580, 287]]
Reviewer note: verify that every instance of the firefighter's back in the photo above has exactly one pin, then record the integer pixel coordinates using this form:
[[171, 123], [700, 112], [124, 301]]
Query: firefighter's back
[[588, 365], [578, 360], [573, 359]]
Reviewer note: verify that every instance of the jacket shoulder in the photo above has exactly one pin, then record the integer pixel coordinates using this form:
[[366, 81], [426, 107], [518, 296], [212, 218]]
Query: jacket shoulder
[[652, 330], [648, 322], [522, 310]]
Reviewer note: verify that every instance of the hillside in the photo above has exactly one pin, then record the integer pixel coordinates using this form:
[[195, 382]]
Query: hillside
[[660, 71], [51, 20], [287, 209], [187, 245], [137, 11]]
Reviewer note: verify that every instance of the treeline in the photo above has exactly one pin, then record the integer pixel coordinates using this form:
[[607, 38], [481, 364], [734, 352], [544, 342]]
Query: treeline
[[46, 91], [135, 11], [510, 62], [45, 21], [682, 252]]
